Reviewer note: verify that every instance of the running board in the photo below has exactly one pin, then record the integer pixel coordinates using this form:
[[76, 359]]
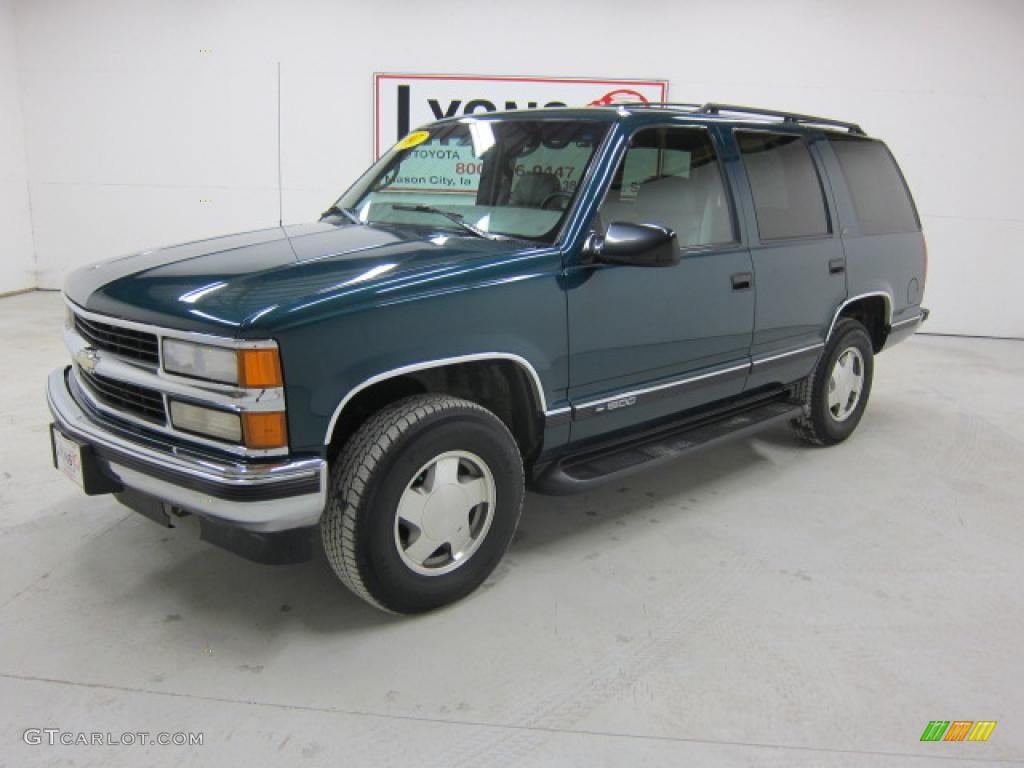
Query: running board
[[589, 469]]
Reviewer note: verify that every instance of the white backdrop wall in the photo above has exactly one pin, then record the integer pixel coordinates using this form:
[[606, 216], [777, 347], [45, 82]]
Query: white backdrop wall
[[17, 265], [137, 113]]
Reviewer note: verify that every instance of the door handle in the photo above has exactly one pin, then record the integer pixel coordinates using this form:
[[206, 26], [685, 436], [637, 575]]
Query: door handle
[[837, 266], [742, 281]]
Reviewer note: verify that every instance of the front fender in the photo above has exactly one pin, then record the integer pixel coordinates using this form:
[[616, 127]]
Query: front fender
[[516, 314]]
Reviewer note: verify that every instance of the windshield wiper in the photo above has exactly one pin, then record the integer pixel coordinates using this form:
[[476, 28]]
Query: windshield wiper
[[335, 209], [450, 215]]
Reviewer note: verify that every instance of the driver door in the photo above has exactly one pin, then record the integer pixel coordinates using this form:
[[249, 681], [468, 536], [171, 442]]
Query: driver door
[[651, 341]]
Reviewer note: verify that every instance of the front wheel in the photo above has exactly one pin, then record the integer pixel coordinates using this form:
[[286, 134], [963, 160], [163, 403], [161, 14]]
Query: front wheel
[[424, 501], [836, 394]]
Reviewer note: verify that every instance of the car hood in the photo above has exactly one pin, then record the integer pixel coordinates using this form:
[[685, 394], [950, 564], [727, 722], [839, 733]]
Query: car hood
[[237, 283]]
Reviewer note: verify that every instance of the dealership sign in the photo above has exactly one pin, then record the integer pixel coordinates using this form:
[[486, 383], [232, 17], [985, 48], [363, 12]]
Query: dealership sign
[[405, 102]]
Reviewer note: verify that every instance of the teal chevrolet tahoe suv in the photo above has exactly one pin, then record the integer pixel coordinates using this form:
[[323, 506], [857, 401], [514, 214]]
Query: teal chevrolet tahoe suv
[[545, 298]]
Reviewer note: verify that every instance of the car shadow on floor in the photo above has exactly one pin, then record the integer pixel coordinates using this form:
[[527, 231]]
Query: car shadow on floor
[[201, 583], [675, 488], [193, 580]]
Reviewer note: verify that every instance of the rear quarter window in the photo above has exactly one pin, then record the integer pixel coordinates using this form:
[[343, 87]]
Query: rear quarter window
[[878, 191]]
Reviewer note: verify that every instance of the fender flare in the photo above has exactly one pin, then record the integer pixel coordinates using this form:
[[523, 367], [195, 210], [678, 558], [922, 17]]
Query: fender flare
[[888, 309], [522, 362]]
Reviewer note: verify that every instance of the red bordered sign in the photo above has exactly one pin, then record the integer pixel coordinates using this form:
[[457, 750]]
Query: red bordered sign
[[402, 102]]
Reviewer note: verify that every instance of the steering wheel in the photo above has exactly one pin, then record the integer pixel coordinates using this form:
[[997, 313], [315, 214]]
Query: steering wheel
[[567, 196]]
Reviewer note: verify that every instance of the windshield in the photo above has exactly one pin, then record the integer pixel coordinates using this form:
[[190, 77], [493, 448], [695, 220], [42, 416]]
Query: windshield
[[512, 178]]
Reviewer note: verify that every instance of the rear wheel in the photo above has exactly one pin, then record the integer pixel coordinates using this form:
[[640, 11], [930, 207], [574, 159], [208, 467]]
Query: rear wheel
[[424, 502], [836, 394]]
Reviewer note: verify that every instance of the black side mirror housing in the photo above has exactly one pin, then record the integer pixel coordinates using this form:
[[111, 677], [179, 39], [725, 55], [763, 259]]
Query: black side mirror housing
[[636, 245]]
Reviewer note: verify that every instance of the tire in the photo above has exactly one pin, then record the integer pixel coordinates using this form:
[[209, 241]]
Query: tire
[[435, 455], [830, 418]]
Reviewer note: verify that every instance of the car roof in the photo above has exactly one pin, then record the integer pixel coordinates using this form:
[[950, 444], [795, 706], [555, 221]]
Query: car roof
[[700, 114]]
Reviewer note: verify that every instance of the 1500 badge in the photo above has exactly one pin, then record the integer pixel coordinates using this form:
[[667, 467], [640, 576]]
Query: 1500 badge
[[622, 402]]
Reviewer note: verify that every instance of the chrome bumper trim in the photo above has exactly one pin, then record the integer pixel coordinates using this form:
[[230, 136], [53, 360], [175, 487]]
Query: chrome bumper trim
[[271, 496]]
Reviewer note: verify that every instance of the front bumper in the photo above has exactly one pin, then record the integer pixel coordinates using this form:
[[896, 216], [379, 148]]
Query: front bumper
[[259, 497]]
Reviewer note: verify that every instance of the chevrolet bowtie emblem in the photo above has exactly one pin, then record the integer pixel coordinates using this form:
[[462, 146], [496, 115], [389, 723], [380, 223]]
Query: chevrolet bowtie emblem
[[87, 357]]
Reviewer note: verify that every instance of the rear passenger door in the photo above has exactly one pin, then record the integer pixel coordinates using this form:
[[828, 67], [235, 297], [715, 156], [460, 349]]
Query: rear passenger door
[[799, 265]]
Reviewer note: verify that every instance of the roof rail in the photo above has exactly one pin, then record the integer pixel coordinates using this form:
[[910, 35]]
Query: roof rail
[[712, 108], [787, 117], [691, 105]]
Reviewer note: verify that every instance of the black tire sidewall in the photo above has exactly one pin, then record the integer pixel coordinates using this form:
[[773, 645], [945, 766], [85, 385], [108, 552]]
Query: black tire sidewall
[[386, 576], [849, 333]]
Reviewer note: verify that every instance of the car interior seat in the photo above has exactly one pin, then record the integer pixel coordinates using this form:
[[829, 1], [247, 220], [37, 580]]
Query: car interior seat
[[531, 190]]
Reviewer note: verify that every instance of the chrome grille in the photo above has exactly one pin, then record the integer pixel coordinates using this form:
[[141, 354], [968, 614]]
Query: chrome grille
[[130, 398], [135, 345]]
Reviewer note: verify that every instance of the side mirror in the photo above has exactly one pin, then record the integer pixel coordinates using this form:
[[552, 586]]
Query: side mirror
[[637, 245]]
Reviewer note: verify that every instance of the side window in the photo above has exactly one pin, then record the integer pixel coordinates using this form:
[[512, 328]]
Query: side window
[[670, 176], [788, 198], [880, 196]]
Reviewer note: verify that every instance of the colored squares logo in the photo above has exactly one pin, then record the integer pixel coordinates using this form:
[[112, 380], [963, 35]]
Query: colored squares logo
[[958, 730]]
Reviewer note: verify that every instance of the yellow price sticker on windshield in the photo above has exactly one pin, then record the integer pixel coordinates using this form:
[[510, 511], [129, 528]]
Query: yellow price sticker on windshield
[[413, 139]]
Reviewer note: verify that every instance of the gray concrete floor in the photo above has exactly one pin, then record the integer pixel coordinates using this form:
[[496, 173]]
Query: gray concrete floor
[[762, 604]]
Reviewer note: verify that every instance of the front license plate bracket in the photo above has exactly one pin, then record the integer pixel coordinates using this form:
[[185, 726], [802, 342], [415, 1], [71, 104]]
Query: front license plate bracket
[[78, 461]]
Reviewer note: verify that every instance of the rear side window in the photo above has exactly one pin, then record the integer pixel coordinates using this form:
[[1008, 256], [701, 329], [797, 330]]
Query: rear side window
[[788, 198], [880, 196]]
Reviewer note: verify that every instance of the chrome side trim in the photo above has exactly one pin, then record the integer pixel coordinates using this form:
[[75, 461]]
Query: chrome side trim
[[904, 329], [440, 363], [792, 352], [883, 294], [271, 515], [558, 417], [659, 387], [915, 319]]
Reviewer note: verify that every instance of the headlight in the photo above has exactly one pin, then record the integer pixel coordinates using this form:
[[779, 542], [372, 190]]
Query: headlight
[[201, 361], [243, 367], [208, 422], [253, 430]]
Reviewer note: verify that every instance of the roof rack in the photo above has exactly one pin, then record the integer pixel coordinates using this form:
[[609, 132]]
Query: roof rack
[[787, 117], [712, 108], [690, 104]]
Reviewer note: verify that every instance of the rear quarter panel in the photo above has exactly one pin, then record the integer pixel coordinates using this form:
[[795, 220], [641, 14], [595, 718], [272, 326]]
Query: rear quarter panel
[[892, 264]]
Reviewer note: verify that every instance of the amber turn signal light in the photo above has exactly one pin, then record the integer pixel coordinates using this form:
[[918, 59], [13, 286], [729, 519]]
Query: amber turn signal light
[[259, 368], [265, 430]]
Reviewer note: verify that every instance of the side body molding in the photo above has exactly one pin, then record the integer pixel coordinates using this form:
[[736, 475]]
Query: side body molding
[[522, 362]]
